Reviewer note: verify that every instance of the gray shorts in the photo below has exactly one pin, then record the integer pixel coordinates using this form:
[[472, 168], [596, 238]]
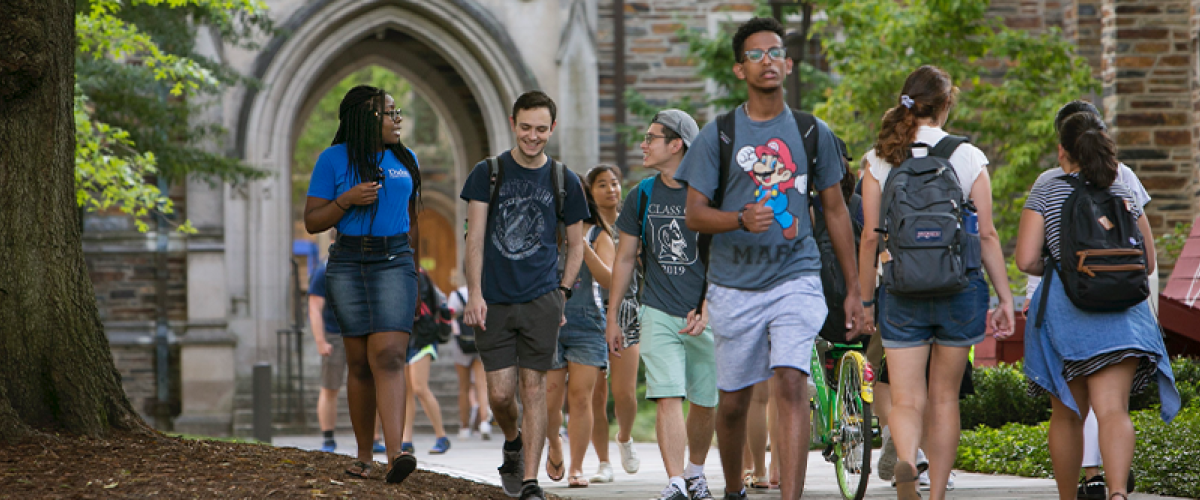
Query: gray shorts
[[523, 334], [333, 366], [460, 358], [756, 331]]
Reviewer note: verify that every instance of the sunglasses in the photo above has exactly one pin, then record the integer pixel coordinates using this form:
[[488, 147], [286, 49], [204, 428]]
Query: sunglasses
[[775, 53]]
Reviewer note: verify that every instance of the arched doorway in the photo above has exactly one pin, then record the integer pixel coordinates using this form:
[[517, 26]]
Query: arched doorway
[[451, 50], [437, 248]]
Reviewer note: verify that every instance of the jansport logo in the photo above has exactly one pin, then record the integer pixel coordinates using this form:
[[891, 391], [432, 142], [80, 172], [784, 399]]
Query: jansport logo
[[934, 234]]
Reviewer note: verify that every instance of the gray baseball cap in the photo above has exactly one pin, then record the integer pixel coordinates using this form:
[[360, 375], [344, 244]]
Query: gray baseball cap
[[679, 122]]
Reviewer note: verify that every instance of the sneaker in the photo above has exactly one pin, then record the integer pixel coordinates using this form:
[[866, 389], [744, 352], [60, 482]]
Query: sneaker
[[378, 447], [671, 492], [698, 488], [741, 495], [329, 446], [1092, 489], [512, 473], [532, 492], [923, 481], [604, 473], [485, 431], [404, 448], [464, 433], [950, 482], [887, 458], [629, 458], [441, 446], [922, 461]]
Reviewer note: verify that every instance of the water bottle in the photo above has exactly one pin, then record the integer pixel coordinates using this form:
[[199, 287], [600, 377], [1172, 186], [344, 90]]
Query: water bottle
[[971, 221]]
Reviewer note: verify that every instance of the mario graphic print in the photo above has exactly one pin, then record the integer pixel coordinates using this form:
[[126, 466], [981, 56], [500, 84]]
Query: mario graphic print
[[774, 172]]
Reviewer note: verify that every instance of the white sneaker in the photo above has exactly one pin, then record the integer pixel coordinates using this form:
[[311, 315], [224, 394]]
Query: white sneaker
[[485, 431], [923, 481], [604, 473], [629, 458], [464, 433], [950, 482]]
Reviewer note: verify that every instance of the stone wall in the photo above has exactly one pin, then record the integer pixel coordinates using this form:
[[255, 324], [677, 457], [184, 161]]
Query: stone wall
[[1148, 77], [125, 286], [655, 58]]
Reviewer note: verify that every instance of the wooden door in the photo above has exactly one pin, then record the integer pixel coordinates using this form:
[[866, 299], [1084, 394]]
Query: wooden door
[[437, 250]]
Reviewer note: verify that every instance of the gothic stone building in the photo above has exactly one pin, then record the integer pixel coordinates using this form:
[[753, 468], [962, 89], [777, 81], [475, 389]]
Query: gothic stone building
[[230, 285]]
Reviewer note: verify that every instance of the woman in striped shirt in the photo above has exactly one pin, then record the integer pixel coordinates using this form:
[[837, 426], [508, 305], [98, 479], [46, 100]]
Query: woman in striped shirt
[[1083, 357]]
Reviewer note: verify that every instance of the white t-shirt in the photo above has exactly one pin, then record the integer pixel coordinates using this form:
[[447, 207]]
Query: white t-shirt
[[1125, 176], [456, 303], [968, 160]]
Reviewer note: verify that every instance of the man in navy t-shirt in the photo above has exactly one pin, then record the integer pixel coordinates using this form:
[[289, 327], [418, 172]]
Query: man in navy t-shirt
[[516, 295]]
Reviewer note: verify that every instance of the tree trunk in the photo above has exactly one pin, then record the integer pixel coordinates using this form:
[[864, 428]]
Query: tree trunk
[[56, 370]]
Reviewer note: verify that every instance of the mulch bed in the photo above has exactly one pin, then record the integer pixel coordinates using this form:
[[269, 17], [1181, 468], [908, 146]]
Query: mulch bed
[[142, 466]]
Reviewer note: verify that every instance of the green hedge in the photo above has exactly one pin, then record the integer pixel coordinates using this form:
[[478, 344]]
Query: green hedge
[[1164, 461], [1001, 398]]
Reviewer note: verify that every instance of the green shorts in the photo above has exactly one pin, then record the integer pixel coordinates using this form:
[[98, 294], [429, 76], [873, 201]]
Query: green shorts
[[677, 365]]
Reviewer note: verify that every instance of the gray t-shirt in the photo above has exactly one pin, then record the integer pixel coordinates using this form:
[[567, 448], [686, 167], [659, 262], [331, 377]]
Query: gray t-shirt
[[675, 274], [768, 162]]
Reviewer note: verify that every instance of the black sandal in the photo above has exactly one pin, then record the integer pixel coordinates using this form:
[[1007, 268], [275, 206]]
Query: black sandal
[[364, 469], [403, 465]]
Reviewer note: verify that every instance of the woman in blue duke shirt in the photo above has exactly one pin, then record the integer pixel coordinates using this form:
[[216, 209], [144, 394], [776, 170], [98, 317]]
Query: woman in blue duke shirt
[[367, 185]]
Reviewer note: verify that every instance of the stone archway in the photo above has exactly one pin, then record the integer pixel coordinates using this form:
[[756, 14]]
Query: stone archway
[[451, 50]]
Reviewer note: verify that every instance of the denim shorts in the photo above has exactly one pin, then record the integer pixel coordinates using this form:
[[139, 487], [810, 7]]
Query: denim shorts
[[581, 340], [372, 284], [957, 320]]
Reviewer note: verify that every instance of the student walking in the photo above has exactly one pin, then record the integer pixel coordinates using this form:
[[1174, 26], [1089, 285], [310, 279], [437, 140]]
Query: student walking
[[472, 386], [582, 352], [1085, 352], [764, 267], [367, 184], [422, 352], [677, 345], [1092, 486], [604, 187], [516, 292], [930, 321]]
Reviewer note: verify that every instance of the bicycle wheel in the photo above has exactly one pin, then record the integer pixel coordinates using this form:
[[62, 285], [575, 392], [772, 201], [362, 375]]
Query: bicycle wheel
[[852, 448]]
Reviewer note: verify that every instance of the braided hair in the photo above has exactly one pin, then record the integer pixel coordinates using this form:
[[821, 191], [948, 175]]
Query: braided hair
[[360, 125]]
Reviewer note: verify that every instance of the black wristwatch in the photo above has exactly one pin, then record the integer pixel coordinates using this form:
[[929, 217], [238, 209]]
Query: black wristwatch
[[741, 223], [566, 290]]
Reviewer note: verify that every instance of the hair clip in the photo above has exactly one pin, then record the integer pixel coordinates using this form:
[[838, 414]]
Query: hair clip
[[907, 101]]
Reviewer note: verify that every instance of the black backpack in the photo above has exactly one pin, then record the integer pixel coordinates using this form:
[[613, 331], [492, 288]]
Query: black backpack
[[466, 334], [431, 325], [1103, 266], [832, 278], [558, 175], [925, 245]]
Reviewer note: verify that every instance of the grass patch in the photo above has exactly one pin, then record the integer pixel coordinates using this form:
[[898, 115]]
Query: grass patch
[[1164, 461]]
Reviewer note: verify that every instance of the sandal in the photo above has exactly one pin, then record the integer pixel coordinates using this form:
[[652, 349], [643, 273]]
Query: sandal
[[403, 465], [360, 469], [550, 465], [752, 482], [906, 481], [577, 482]]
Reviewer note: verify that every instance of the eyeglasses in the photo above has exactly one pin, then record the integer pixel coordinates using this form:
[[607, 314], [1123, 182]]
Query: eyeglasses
[[775, 53], [649, 138], [395, 114]]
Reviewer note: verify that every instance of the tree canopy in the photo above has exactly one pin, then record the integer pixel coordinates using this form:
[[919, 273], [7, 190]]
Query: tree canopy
[[139, 83]]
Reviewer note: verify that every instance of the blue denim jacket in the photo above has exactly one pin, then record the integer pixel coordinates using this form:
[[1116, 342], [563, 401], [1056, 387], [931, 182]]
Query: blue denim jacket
[[1072, 334]]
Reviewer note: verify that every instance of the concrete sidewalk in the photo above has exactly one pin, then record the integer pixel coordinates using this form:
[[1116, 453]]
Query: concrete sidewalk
[[477, 460]]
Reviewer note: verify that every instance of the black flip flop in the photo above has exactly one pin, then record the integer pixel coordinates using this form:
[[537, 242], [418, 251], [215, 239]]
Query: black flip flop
[[403, 465]]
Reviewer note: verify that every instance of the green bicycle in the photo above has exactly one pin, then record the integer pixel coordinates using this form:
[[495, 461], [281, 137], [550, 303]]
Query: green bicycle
[[841, 412]]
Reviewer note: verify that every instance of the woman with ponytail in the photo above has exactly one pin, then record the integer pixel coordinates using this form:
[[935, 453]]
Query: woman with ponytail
[[367, 185], [927, 340], [1083, 357]]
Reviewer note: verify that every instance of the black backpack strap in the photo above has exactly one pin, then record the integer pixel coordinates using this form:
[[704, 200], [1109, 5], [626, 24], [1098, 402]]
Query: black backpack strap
[[495, 178], [558, 175], [726, 123], [807, 125], [947, 145]]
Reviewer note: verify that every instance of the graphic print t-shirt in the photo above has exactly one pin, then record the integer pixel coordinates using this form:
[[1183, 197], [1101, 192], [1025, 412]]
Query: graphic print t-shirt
[[675, 274], [388, 216], [520, 256], [769, 164]]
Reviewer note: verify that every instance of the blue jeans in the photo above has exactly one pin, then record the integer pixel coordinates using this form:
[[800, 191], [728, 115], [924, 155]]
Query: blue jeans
[[958, 320]]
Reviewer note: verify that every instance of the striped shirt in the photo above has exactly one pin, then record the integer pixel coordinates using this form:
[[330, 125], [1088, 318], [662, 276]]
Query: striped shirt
[[1048, 198]]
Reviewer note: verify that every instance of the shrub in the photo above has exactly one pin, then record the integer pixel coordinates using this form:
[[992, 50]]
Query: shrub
[[1187, 382], [1001, 397], [1164, 461]]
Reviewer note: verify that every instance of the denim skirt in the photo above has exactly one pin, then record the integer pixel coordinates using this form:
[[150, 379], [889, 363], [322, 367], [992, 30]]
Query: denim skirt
[[372, 284]]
